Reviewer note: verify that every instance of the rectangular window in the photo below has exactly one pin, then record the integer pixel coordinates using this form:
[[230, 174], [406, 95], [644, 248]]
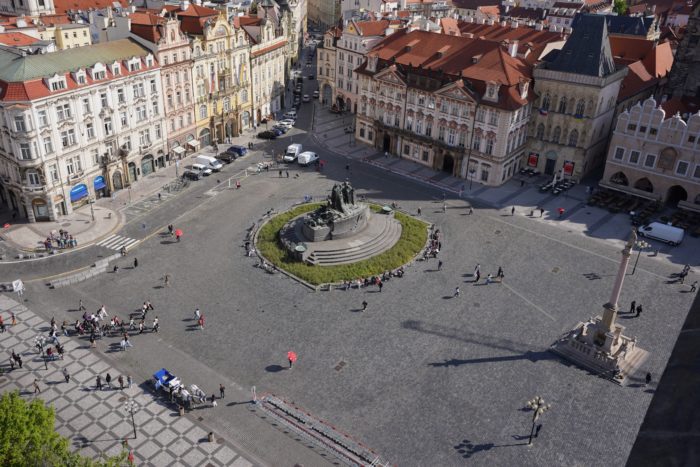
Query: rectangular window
[[90, 131], [103, 100], [154, 87], [158, 132], [53, 170], [696, 173], [632, 127], [25, 151], [634, 157], [650, 161], [653, 131], [43, 118], [19, 123], [156, 109], [63, 112], [619, 154], [476, 144], [431, 102], [58, 85], [139, 91], [121, 96], [489, 146], [99, 75], [451, 136], [425, 155], [33, 178], [141, 113], [406, 149], [682, 168], [493, 117], [86, 105], [108, 126], [441, 133], [68, 138], [95, 156], [691, 139], [69, 167], [484, 175], [48, 145], [642, 129], [480, 115], [124, 120]]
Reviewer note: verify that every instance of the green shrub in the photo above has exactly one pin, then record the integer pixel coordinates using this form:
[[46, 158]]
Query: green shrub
[[414, 234]]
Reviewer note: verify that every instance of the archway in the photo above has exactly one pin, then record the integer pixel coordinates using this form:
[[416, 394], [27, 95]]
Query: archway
[[327, 94], [619, 178], [147, 165], [448, 163], [117, 183], [132, 172], [41, 209], [245, 119], [348, 105], [644, 184], [675, 194], [340, 102], [386, 147]]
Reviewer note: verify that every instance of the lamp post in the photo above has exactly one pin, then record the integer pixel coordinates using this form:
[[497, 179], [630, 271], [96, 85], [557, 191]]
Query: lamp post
[[130, 406], [92, 211], [539, 407], [39, 342], [641, 244]]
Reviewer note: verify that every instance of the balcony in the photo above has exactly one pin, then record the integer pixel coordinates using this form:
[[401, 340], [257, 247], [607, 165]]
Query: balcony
[[422, 138], [34, 189], [35, 162]]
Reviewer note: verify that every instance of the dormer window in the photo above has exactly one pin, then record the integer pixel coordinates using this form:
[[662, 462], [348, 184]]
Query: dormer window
[[149, 60], [79, 77], [98, 72], [56, 83], [134, 64], [491, 92], [116, 69], [372, 64]]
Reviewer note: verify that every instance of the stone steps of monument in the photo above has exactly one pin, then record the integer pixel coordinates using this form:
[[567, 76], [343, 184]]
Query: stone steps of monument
[[372, 234], [380, 243], [573, 356]]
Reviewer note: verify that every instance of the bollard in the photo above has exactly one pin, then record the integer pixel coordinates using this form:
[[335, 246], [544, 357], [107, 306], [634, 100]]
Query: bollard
[[210, 436], [182, 410]]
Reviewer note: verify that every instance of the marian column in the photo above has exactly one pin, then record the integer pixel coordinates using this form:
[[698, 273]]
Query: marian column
[[611, 308]]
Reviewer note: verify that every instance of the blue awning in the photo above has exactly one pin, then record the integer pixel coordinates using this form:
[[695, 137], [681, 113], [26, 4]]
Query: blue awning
[[99, 183], [78, 192]]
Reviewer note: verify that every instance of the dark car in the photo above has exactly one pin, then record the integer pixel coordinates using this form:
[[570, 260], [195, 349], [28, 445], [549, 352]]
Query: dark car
[[281, 128], [226, 157], [237, 150], [277, 131], [267, 135], [190, 175]]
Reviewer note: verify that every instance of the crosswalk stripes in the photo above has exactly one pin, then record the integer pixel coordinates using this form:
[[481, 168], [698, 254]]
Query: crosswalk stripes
[[116, 242]]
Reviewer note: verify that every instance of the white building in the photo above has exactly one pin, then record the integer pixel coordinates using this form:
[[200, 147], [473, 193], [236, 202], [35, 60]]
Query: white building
[[77, 124]]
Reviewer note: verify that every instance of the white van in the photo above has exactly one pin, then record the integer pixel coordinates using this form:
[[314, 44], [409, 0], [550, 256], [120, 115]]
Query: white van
[[666, 233], [201, 168], [293, 151], [210, 162], [307, 158]]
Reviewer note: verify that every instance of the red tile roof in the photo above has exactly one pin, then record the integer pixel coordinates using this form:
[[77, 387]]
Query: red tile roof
[[17, 39], [269, 48], [657, 58], [192, 19], [637, 80], [147, 26], [450, 27], [660, 61], [371, 28], [523, 34], [62, 6], [681, 105], [630, 48]]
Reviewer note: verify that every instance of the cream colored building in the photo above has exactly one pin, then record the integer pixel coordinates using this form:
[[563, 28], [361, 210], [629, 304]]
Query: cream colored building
[[655, 154], [66, 36], [325, 64]]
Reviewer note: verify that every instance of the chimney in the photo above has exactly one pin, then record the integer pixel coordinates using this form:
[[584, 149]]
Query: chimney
[[480, 21], [538, 26], [503, 23], [513, 49], [514, 24], [185, 4]]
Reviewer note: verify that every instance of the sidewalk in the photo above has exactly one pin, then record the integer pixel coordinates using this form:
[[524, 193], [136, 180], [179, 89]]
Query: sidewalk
[[96, 422]]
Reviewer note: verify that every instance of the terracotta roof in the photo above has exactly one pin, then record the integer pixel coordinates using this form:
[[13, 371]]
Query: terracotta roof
[[450, 26], [637, 80], [62, 6], [249, 20], [473, 4], [496, 32], [17, 39], [536, 14], [630, 48], [51, 20], [147, 26], [192, 19], [371, 28], [491, 10], [682, 105], [269, 48], [453, 58]]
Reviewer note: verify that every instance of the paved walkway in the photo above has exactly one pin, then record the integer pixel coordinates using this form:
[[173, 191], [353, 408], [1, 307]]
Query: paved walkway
[[96, 421]]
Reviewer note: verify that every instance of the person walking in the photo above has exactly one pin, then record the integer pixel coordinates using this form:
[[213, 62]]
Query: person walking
[[141, 327], [444, 207], [694, 286], [66, 375], [380, 284], [98, 383], [170, 229], [156, 324], [121, 382], [541, 212], [37, 389], [419, 210], [136, 263], [439, 265], [457, 292], [291, 357], [14, 318], [500, 274], [471, 211], [201, 323], [213, 400], [633, 306], [639, 311], [512, 211], [489, 278], [197, 314], [648, 378], [93, 341], [108, 380], [81, 307], [166, 280], [477, 278], [364, 305], [222, 390]]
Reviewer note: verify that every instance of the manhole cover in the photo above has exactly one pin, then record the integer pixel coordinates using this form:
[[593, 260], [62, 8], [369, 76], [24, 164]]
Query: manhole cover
[[476, 305], [340, 365], [555, 270], [497, 232]]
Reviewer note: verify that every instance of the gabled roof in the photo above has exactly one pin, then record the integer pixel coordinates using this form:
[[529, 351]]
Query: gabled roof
[[637, 80], [147, 26], [523, 34], [450, 26], [371, 28], [17, 39], [193, 19], [659, 61], [473, 4], [62, 6], [587, 52]]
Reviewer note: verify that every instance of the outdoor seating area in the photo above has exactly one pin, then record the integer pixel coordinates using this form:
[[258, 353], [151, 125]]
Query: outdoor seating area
[[687, 220], [641, 210], [530, 172], [558, 186]]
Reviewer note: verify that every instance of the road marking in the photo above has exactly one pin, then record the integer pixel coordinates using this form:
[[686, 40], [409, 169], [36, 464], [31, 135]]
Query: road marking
[[116, 242], [528, 301]]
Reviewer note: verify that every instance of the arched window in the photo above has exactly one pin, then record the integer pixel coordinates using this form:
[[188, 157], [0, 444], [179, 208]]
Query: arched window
[[227, 104], [573, 138], [540, 131], [545, 102], [202, 111], [562, 105], [580, 107], [244, 95], [556, 135]]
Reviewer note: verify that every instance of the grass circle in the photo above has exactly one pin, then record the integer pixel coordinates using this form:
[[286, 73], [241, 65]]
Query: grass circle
[[414, 234]]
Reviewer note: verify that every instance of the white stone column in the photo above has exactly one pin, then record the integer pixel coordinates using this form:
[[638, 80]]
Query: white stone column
[[610, 309]]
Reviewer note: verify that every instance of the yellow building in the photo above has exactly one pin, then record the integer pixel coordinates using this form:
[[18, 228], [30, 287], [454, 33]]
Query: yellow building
[[66, 36]]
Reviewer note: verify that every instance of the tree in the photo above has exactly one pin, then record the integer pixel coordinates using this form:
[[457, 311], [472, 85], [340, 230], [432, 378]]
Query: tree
[[27, 437], [620, 7]]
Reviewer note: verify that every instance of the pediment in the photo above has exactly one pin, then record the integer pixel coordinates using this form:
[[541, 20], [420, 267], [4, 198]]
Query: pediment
[[390, 75], [455, 91]]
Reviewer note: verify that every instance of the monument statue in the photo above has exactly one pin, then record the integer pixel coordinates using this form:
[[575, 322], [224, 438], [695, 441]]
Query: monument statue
[[340, 217]]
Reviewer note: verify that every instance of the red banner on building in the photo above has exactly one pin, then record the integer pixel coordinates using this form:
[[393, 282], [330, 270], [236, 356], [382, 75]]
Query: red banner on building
[[532, 159], [568, 168]]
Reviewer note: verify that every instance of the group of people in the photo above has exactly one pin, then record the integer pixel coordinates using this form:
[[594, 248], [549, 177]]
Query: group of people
[[61, 241], [435, 245], [373, 280], [99, 324], [108, 382]]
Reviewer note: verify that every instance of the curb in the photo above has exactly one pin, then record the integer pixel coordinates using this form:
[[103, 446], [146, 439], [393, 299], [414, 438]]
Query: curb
[[98, 268]]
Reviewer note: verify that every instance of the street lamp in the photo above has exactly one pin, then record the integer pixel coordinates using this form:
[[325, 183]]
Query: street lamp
[[641, 244], [39, 342], [130, 406], [92, 211], [539, 407]]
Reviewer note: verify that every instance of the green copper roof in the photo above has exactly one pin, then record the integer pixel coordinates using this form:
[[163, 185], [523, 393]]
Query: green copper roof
[[15, 68]]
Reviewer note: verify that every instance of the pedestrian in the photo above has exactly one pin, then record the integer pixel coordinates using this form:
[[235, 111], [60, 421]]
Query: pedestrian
[[444, 207], [633, 306], [512, 211], [380, 284], [419, 210], [115, 269], [439, 265], [166, 280], [141, 327], [238, 184], [291, 357], [287, 172], [500, 274], [639, 311], [522, 183], [541, 212], [478, 276], [136, 263], [197, 314], [156, 324], [201, 322], [683, 274], [471, 210], [98, 383], [13, 318], [364, 306], [222, 390], [280, 173], [694, 286], [93, 342], [648, 378], [66, 375], [108, 380], [121, 382], [457, 292], [19, 361], [477, 270], [213, 400], [489, 278], [37, 389], [129, 381], [123, 251], [561, 212], [81, 307], [159, 197], [170, 229]]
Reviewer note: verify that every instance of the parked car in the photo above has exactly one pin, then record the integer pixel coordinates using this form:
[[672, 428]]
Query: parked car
[[191, 175], [291, 114], [281, 128], [307, 158], [202, 169], [277, 131], [209, 162], [315, 94], [267, 134], [226, 157], [237, 150], [293, 151], [288, 122], [663, 232], [306, 98]]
